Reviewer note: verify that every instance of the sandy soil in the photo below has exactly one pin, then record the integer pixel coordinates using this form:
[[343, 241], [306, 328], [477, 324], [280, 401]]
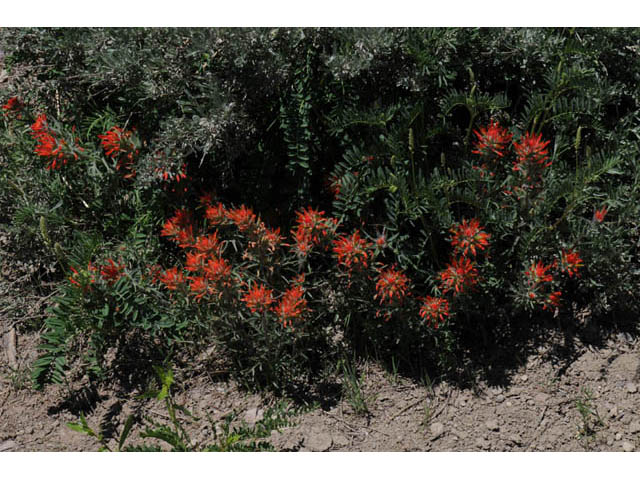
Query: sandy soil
[[538, 410]]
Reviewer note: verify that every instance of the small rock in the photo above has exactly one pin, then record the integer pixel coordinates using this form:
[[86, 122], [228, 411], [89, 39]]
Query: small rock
[[492, 425], [609, 441], [8, 446], [618, 436], [632, 387], [628, 446], [613, 412], [524, 378], [499, 398], [318, 442], [509, 404], [437, 429], [634, 427]]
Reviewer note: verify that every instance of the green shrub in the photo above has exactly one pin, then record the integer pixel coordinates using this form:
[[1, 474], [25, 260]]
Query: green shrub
[[458, 225]]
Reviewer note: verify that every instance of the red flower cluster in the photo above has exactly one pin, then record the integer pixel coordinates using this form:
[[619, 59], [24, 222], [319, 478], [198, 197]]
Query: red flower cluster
[[553, 300], [214, 277], [291, 305], [381, 241], [352, 251], [258, 298], [312, 228], [392, 286], [172, 278], [83, 279], [492, 140], [467, 236], [458, 275], [49, 145], [216, 214], [112, 272], [434, 310], [243, 217], [537, 276], [537, 273], [600, 214], [179, 227], [260, 238], [120, 144], [460, 272], [540, 280], [13, 106], [571, 262], [531, 157]]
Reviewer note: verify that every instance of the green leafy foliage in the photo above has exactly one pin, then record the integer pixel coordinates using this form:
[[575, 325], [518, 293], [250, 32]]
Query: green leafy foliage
[[229, 435], [379, 128]]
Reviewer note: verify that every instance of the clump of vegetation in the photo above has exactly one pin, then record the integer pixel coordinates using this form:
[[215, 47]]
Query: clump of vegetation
[[298, 196]]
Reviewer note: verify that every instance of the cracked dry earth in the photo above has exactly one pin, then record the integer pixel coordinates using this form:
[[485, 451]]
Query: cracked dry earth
[[537, 412], [589, 404]]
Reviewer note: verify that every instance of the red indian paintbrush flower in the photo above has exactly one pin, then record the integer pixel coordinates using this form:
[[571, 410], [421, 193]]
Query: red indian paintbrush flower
[[269, 238], [209, 244], [468, 235], [13, 105], [571, 262], [434, 310], [600, 214], [118, 143], [258, 298], [352, 250], [51, 146], [458, 275], [216, 214], [492, 139], [537, 273], [172, 278], [48, 144], [218, 270], [83, 279], [199, 286], [174, 225], [195, 261], [291, 305], [312, 227], [243, 217], [111, 273], [553, 300], [531, 152], [392, 286]]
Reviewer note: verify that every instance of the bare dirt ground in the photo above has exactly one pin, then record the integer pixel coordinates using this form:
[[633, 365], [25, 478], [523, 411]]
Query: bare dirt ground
[[590, 403]]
